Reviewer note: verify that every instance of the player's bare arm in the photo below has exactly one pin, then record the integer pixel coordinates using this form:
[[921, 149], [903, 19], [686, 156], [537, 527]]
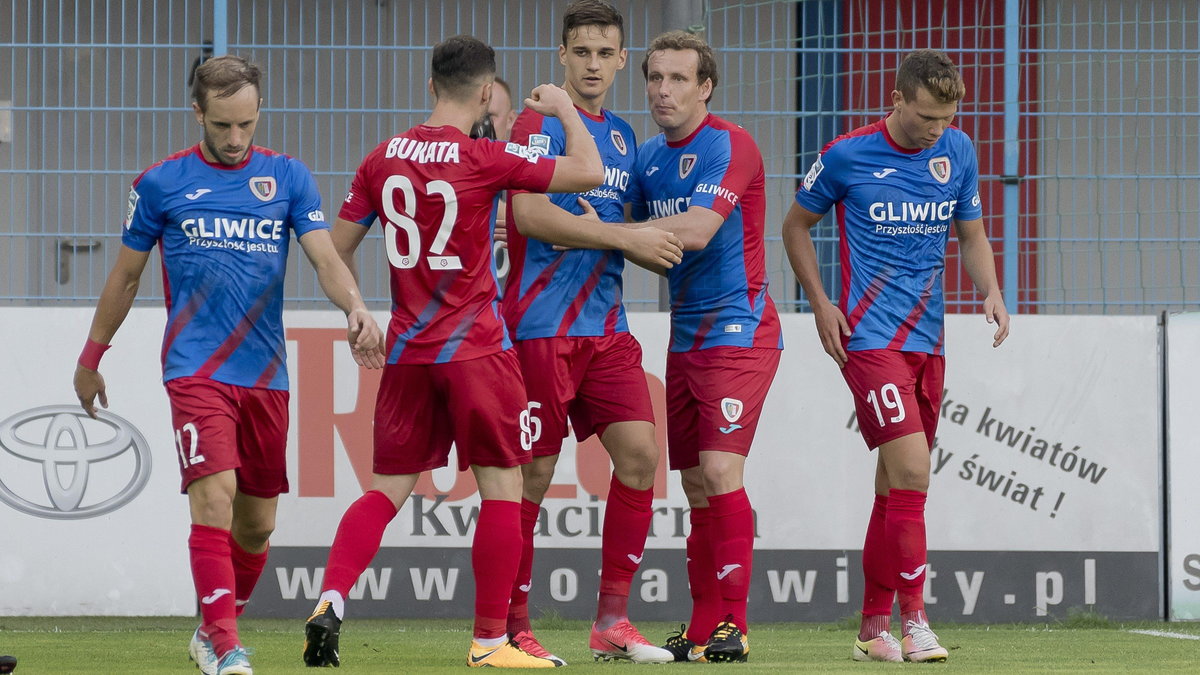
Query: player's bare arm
[[980, 263], [797, 240], [536, 216], [115, 300], [362, 331], [579, 169], [694, 227]]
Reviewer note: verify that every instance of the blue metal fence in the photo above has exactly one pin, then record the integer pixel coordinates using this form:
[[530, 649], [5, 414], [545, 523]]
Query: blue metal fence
[[1109, 221]]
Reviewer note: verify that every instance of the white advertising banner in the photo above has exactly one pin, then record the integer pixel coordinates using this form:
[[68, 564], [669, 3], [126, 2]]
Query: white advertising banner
[[1183, 465], [1045, 491], [90, 511]]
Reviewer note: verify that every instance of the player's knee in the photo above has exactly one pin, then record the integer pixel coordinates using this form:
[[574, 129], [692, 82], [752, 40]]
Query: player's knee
[[252, 536], [637, 467], [909, 479]]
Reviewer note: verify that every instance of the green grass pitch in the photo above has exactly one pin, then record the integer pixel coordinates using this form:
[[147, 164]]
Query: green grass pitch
[[68, 645]]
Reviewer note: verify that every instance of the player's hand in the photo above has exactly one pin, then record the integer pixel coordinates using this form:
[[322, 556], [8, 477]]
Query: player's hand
[[995, 312], [549, 99], [500, 234], [365, 338], [650, 246], [89, 384], [832, 327]]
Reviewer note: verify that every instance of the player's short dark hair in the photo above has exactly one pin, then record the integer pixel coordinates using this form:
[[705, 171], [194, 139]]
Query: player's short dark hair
[[592, 13], [460, 64], [224, 76], [680, 40], [933, 70]]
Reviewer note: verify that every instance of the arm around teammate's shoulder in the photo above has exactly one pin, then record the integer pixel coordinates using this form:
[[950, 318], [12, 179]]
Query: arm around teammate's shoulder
[[579, 169]]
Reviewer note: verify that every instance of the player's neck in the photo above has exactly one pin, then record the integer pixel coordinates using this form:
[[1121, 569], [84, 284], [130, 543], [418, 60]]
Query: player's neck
[[897, 134], [449, 114], [590, 106], [687, 128]]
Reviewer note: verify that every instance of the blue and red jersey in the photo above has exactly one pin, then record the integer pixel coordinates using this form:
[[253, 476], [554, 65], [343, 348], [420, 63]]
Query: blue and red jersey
[[577, 292], [223, 232], [433, 189], [719, 293], [895, 210]]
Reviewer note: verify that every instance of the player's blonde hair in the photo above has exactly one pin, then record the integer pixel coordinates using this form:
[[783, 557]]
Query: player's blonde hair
[[679, 40], [224, 76], [933, 70]]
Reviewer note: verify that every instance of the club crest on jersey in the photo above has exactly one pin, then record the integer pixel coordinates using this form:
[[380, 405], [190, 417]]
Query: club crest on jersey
[[731, 408], [618, 142], [263, 187], [132, 208], [815, 170], [686, 163], [939, 168], [539, 144]]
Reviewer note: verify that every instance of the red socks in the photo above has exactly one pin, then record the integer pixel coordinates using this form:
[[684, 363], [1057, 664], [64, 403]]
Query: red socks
[[518, 606], [702, 577], [357, 540], [247, 568], [627, 516], [212, 573], [905, 535], [495, 557], [732, 541], [879, 592]]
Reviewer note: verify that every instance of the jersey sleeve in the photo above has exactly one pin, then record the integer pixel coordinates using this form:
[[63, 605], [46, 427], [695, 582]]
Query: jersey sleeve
[[532, 131], [517, 167], [305, 204], [822, 186], [357, 206], [968, 206], [724, 177], [143, 219]]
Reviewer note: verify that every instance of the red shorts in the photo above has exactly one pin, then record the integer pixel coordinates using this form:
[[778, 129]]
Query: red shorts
[[895, 393], [596, 381], [714, 398], [479, 405], [221, 426]]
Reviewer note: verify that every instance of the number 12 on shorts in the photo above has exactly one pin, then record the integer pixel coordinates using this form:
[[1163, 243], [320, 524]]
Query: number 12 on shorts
[[191, 456], [889, 394]]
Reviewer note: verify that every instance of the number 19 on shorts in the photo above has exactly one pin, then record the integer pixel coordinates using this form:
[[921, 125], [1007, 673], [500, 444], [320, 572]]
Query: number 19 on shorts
[[889, 396]]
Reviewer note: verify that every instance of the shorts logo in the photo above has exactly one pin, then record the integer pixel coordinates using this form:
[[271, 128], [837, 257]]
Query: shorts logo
[[88, 467], [618, 142], [686, 164], [939, 168], [132, 207], [731, 408], [539, 144], [263, 187], [815, 170]]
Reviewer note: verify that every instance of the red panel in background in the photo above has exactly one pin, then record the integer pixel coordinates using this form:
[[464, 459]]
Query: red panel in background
[[880, 32]]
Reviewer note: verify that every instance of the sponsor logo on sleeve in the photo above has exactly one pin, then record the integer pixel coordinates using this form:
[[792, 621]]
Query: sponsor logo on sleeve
[[131, 208], [975, 200], [522, 151], [939, 168], [815, 170], [686, 164], [263, 187], [539, 144], [317, 216]]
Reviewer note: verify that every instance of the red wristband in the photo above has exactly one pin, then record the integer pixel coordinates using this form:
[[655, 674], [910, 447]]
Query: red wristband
[[90, 356]]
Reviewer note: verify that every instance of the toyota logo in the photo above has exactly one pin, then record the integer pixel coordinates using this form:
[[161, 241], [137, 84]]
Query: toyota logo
[[59, 463]]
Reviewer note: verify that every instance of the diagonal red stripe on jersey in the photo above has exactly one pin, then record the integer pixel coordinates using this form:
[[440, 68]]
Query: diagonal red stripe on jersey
[[231, 343], [581, 297], [914, 317], [197, 300], [536, 287], [864, 303]]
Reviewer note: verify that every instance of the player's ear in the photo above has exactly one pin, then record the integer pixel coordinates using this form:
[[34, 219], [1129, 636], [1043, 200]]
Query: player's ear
[[429, 86], [706, 90], [562, 55], [897, 98], [622, 58], [198, 113]]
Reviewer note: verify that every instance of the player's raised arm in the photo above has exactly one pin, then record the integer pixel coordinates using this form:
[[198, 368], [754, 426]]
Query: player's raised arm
[[980, 263], [115, 300], [580, 168], [797, 240]]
